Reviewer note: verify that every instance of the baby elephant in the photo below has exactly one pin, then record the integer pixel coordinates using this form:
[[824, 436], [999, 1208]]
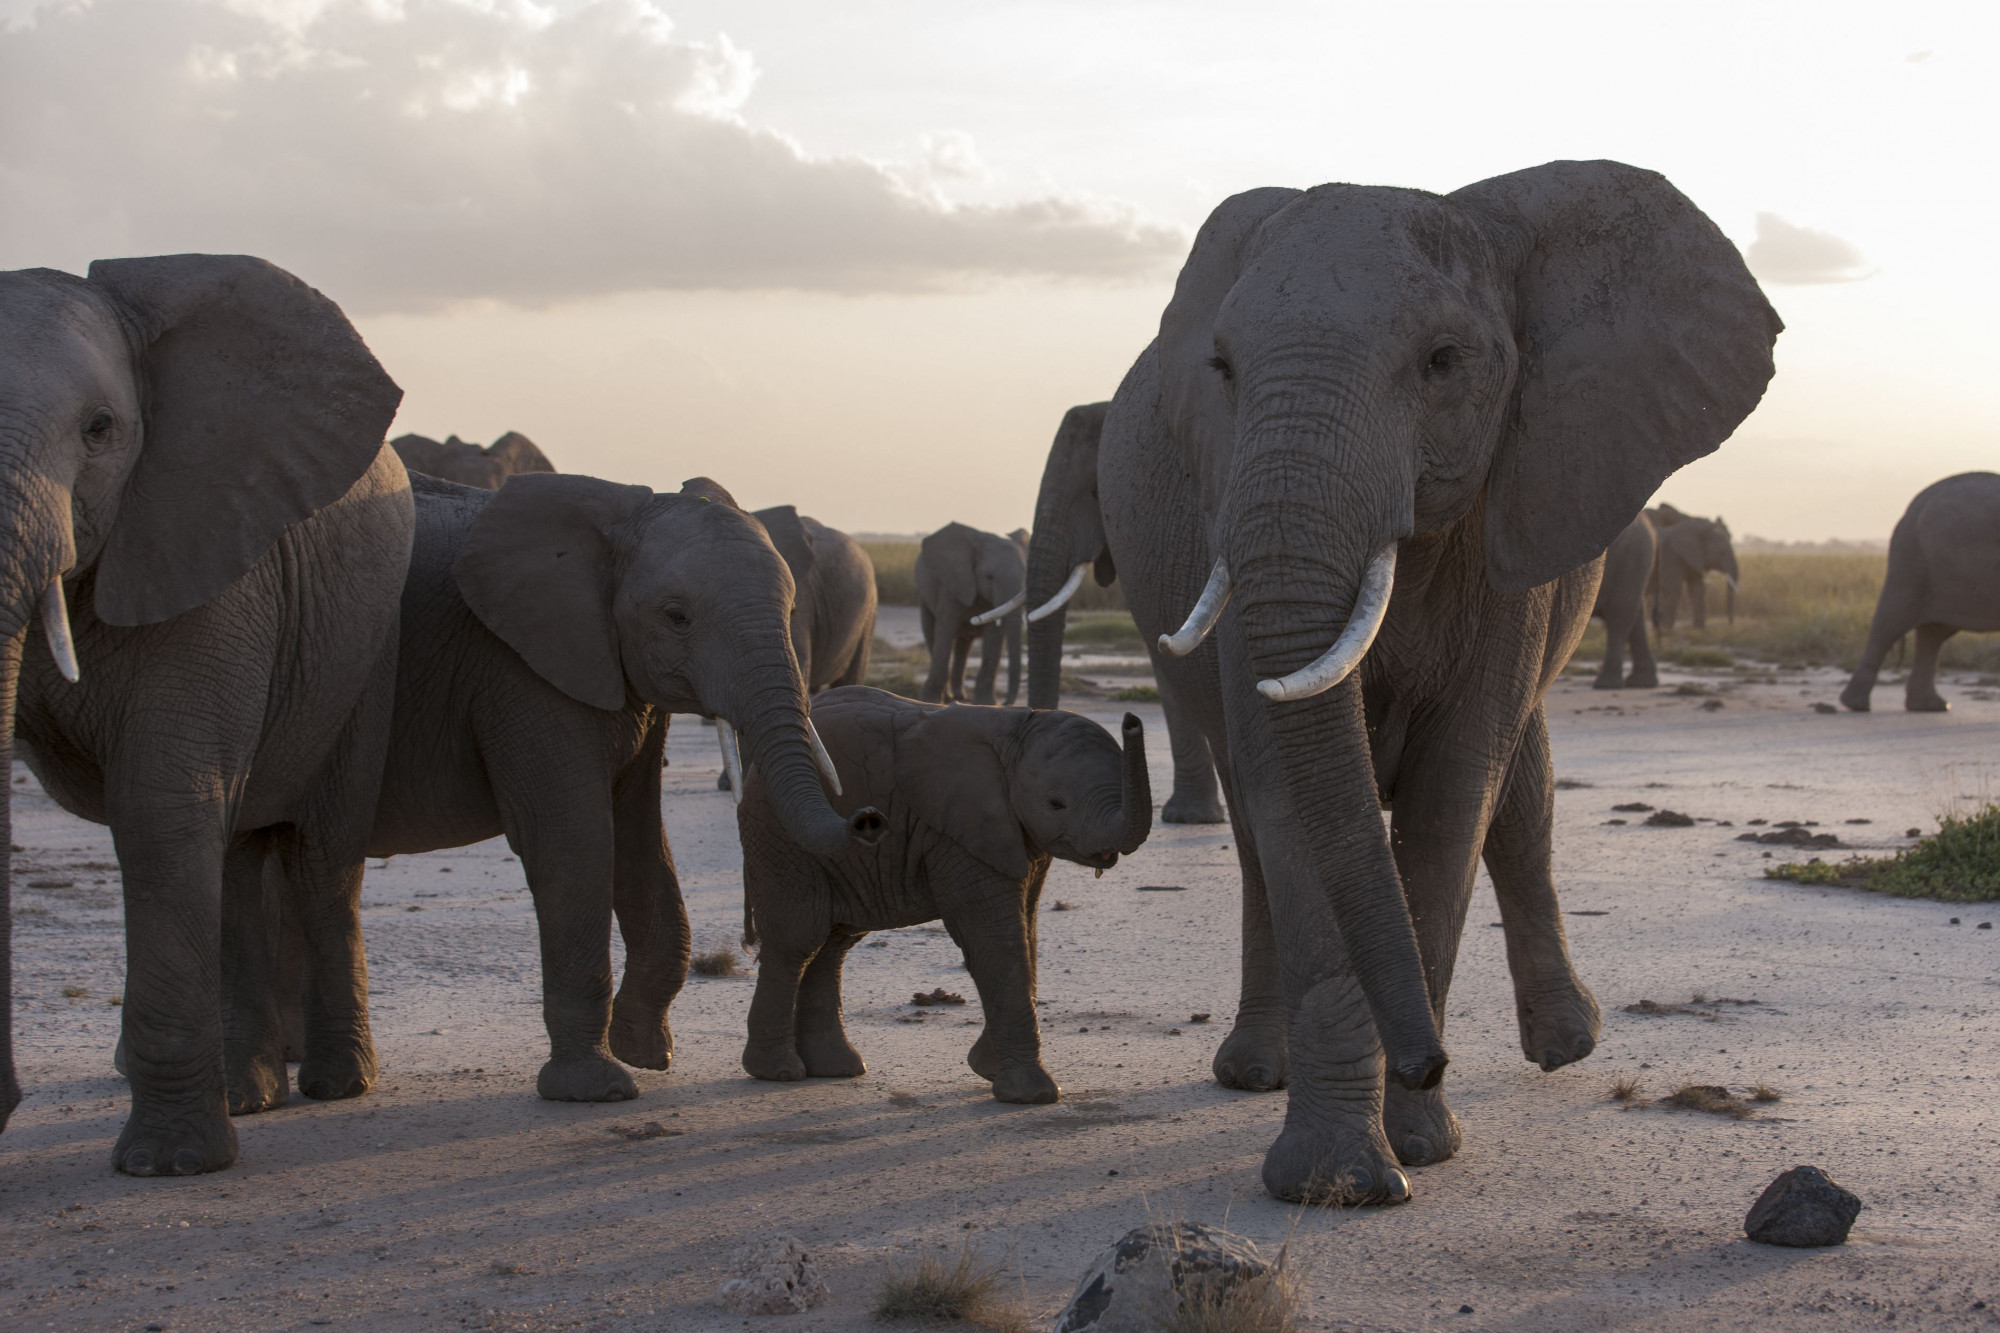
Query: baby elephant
[[977, 801]]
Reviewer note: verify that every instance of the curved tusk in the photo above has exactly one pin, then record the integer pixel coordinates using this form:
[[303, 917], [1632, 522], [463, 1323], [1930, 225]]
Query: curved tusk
[[55, 624], [1063, 594], [1731, 579], [825, 759], [1362, 624], [1207, 610], [1002, 611], [732, 758]]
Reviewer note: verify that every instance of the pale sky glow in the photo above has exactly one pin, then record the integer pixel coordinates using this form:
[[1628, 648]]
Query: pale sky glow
[[860, 257]]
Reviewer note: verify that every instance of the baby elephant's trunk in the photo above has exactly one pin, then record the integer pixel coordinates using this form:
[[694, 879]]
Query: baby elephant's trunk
[[1136, 800]]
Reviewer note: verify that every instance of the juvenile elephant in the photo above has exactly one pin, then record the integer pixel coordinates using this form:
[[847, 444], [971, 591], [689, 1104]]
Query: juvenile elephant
[[204, 542], [1068, 545], [1396, 431], [468, 464], [1944, 576], [975, 802], [971, 584], [1621, 604], [1689, 548], [548, 630]]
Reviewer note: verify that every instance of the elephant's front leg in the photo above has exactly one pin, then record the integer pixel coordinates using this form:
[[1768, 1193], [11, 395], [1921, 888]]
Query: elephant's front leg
[[941, 626], [1256, 1055], [1645, 671], [818, 1030], [991, 640], [1920, 693], [988, 916], [1558, 1015], [252, 1031], [652, 916]]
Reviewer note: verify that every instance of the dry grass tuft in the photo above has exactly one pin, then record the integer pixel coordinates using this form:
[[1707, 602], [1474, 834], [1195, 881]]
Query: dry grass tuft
[[1625, 1090], [964, 1291], [1270, 1306], [75, 992], [720, 963], [1764, 1092], [1710, 1098]]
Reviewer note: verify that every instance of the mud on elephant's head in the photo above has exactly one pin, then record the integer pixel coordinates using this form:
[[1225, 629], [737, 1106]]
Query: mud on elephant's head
[[612, 592]]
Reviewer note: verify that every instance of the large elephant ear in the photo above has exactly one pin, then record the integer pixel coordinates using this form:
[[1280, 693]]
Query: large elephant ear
[[950, 556], [1069, 518], [538, 570], [948, 767], [1643, 342], [788, 533], [1191, 390], [262, 406]]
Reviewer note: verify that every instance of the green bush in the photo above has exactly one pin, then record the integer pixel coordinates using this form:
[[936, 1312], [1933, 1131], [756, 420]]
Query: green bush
[[1960, 863]]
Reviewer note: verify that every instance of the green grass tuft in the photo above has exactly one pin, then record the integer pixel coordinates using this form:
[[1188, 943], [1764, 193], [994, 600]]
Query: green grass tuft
[[1960, 863], [1136, 694]]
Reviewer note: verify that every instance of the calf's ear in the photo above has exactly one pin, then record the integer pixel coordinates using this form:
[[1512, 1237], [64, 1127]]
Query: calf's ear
[[948, 767]]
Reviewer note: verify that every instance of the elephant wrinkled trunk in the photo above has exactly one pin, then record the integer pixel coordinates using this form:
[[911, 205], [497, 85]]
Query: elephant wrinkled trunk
[[780, 744], [1047, 567], [10, 676], [1135, 805]]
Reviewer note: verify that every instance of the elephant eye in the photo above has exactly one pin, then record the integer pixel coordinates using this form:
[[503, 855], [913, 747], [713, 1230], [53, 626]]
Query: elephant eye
[[1056, 803], [676, 615], [1221, 367], [98, 428], [1441, 361]]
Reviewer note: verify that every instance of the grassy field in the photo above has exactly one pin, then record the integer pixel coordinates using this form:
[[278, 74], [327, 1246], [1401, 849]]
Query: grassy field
[[896, 580]]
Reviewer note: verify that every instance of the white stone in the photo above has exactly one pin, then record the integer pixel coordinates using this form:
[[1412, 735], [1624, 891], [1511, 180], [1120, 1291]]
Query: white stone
[[1138, 1284], [773, 1276]]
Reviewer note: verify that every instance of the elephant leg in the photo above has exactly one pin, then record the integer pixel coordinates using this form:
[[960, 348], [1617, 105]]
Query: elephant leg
[[1611, 675], [1891, 622], [991, 922], [1197, 796], [1013, 624], [1255, 1055], [292, 972], [1559, 1017], [786, 894], [961, 648], [989, 663], [252, 1033], [652, 917], [1645, 672], [1920, 693], [942, 639], [818, 1031], [1698, 600]]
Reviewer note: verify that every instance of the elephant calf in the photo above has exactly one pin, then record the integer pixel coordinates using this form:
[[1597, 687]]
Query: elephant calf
[[977, 801]]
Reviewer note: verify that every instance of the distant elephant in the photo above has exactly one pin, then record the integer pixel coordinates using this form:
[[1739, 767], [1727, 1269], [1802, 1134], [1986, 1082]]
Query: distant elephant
[[1689, 547], [1363, 481], [1069, 544], [976, 801], [833, 613], [205, 539], [1944, 576], [469, 465], [1621, 604], [971, 584], [548, 631]]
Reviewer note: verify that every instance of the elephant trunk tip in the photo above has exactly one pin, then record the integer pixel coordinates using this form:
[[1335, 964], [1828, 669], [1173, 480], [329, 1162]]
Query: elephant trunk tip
[[866, 826], [1420, 1071]]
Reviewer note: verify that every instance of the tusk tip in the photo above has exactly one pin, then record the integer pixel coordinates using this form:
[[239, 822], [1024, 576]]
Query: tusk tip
[[1271, 689]]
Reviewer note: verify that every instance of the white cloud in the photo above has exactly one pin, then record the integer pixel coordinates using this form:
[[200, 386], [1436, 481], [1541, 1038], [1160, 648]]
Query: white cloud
[[1786, 254], [402, 154]]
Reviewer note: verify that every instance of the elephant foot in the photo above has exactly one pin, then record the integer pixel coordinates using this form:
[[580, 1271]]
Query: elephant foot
[[1420, 1127], [1643, 680], [256, 1082], [1928, 703], [175, 1142], [1254, 1057], [777, 1064], [1342, 1168], [345, 1070], [590, 1077], [644, 1041], [1193, 808], [1855, 699], [1610, 682], [1559, 1023], [1026, 1085], [830, 1055]]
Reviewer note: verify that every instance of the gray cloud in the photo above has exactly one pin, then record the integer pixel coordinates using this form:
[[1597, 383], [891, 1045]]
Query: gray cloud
[[402, 154], [1789, 255]]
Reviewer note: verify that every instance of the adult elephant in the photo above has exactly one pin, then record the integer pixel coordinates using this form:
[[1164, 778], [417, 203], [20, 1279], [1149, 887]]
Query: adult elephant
[[205, 540], [469, 465], [1385, 417], [970, 585], [1068, 546], [1621, 605], [1944, 576], [1689, 548]]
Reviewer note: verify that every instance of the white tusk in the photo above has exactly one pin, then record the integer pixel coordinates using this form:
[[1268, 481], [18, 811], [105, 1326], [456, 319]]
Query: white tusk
[[1063, 594], [1002, 611], [1362, 623], [55, 624], [1207, 610], [732, 758], [825, 759], [1732, 582]]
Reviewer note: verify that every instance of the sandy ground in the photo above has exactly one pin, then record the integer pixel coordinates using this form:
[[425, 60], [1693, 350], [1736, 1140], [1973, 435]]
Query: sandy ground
[[451, 1197]]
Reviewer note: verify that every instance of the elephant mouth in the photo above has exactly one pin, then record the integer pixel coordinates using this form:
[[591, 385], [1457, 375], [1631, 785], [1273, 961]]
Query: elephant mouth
[[1098, 860]]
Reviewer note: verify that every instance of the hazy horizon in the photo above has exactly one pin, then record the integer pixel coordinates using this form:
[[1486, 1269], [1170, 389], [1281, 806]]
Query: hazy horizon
[[861, 258]]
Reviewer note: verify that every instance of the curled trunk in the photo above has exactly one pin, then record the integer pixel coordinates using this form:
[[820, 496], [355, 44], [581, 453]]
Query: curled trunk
[[770, 712], [1136, 790]]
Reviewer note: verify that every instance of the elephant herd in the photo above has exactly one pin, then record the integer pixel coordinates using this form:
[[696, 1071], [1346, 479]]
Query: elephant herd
[[1358, 492]]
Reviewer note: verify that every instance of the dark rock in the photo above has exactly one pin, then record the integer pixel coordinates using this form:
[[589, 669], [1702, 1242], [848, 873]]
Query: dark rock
[[1792, 837], [1615, 821], [1670, 819], [1803, 1207], [1140, 1283], [1913, 833], [1824, 708], [1631, 808], [1713, 706]]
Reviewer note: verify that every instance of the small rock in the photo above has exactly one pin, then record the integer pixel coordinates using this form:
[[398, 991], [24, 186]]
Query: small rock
[[1140, 1283], [1614, 821], [1803, 1207], [1631, 808], [1984, 925], [1792, 837], [1670, 819], [1198, 1018], [1913, 833], [937, 996], [773, 1276], [1824, 708], [1712, 706]]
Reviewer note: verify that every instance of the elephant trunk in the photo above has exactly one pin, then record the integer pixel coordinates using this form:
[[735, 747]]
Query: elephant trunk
[[1135, 800], [771, 713], [1049, 564], [1729, 572], [1014, 619], [11, 639]]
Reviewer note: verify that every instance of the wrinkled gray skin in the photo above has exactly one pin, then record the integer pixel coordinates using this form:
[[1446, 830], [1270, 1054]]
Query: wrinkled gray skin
[[975, 802], [1689, 548], [1069, 530], [193, 443], [960, 573], [833, 617], [1944, 576], [1621, 605], [547, 633], [468, 464], [1496, 380]]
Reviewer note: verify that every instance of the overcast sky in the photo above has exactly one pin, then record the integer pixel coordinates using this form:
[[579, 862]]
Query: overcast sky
[[861, 256]]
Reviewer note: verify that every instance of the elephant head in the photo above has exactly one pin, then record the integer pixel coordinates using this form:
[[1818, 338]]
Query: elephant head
[[1347, 367], [1006, 784], [611, 592], [1068, 543], [788, 533], [1691, 547], [162, 421], [468, 464]]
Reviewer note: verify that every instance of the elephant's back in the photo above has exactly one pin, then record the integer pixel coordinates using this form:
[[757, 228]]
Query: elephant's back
[[1949, 541]]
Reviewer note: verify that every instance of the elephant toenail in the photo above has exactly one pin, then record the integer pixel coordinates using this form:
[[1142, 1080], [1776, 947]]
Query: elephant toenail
[[1399, 1187], [1417, 1150], [187, 1162], [139, 1161]]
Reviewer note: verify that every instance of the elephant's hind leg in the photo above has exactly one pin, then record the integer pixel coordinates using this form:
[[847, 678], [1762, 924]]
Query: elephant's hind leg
[[252, 1032], [1920, 693], [1197, 797], [818, 1030], [1645, 672], [652, 916]]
